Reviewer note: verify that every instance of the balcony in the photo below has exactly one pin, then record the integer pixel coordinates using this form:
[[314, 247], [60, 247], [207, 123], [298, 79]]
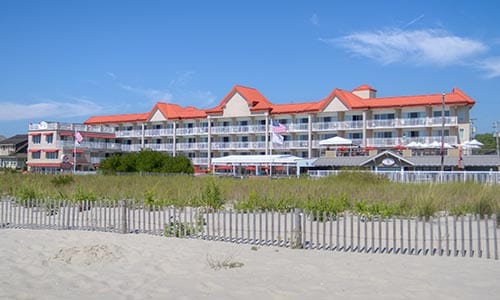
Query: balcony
[[413, 122], [337, 125], [85, 145], [71, 127], [391, 142]]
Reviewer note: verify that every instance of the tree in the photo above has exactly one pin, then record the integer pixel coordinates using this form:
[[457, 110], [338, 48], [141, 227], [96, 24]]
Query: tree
[[147, 161], [489, 141]]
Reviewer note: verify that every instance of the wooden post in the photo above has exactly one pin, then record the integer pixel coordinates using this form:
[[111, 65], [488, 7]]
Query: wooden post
[[298, 229], [123, 205], [495, 242]]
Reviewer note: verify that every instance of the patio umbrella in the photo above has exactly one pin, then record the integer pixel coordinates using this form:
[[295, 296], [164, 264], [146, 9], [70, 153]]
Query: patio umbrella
[[335, 141], [475, 142]]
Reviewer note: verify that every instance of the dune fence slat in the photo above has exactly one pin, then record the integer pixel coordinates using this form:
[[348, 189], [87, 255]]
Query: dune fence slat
[[462, 236]]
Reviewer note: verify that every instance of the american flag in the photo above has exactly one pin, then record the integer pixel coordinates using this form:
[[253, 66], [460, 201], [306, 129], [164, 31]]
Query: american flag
[[78, 137], [277, 127]]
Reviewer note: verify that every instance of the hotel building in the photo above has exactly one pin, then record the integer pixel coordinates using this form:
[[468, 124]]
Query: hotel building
[[241, 125]]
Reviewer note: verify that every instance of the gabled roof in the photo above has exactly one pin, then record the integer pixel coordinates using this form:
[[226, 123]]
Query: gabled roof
[[123, 118], [350, 100], [255, 100], [385, 154], [16, 139], [174, 111]]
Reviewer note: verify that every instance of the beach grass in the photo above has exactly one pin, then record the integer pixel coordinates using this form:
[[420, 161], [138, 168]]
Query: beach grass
[[363, 193]]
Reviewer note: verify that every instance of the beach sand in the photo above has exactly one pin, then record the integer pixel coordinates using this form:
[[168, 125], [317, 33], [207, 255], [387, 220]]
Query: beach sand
[[49, 264]]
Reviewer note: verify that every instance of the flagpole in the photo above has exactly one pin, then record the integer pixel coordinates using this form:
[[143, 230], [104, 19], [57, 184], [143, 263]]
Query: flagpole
[[270, 148], [74, 153]]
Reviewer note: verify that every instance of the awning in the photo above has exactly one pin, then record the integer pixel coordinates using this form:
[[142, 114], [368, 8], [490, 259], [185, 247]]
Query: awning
[[50, 150], [45, 165]]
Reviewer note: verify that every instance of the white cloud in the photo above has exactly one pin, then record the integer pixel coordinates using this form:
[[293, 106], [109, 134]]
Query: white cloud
[[151, 94], [112, 75], [417, 47], [183, 78], [314, 20], [47, 109], [205, 99], [491, 66]]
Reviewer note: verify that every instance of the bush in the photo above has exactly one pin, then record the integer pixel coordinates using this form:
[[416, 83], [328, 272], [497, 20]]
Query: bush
[[61, 180]]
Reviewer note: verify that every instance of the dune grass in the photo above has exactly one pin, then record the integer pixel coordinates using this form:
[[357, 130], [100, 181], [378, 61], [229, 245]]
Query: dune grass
[[362, 193]]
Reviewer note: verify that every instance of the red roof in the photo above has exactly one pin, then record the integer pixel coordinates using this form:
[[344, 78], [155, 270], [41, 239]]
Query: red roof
[[456, 97], [256, 101], [364, 87], [123, 118], [174, 111]]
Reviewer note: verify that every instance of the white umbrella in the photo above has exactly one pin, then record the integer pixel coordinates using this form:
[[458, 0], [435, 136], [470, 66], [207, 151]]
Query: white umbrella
[[335, 141], [435, 145], [413, 145], [475, 142]]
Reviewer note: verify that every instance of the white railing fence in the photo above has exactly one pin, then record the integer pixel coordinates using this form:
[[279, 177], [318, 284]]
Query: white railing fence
[[491, 177], [465, 236]]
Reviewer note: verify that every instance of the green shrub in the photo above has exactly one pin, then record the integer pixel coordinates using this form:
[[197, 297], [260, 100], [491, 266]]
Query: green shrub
[[212, 196], [61, 180]]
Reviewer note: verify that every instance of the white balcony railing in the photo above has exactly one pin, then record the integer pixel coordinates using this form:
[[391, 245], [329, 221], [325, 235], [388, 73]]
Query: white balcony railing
[[71, 127], [391, 142]]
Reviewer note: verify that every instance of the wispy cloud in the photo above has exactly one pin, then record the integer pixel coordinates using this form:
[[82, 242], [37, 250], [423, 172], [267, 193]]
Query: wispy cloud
[[314, 19], [48, 109], [178, 90], [413, 21], [204, 99], [419, 47], [112, 75], [491, 66], [151, 94]]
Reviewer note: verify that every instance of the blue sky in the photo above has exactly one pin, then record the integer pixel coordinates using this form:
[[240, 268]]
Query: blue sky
[[68, 60]]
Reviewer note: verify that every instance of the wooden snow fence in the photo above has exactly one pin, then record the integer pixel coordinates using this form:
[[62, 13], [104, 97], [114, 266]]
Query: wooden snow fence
[[465, 236]]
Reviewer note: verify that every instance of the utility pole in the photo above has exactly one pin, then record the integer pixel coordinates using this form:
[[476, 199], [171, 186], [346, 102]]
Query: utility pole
[[497, 127], [442, 133]]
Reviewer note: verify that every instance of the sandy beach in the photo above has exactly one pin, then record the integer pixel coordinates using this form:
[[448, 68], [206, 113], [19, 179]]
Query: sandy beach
[[49, 264]]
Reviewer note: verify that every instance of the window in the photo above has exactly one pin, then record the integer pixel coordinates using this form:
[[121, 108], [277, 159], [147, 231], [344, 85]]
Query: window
[[437, 113], [52, 155], [49, 139], [413, 115], [327, 119], [355, 135], [357, 118], [35, 155], [383, 135], [36, 139], [414, 134], [303, 121], [384, 116]]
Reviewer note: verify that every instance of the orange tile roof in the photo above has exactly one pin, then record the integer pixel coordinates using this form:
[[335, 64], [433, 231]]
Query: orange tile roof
[[174, 111], [111, 119], [456, 97], [364, 87], [256, 101]]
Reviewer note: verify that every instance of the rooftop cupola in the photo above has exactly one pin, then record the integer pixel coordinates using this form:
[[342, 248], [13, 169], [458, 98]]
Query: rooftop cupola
[[365, 91]]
